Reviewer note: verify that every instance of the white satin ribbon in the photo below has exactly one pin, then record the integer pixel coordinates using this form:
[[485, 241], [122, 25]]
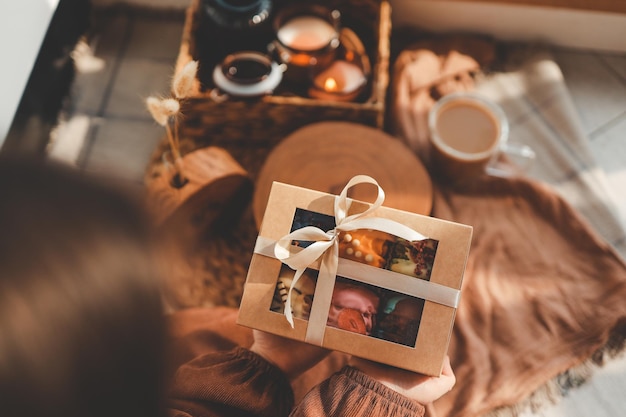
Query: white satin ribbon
[[325, 248], [405, 284]]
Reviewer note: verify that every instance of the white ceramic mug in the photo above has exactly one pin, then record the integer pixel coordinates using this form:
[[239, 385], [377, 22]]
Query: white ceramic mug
[[246, 74], [468, 136]]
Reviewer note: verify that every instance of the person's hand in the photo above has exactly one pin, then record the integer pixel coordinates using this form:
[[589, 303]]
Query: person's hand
[[421, 388], [291, 356]]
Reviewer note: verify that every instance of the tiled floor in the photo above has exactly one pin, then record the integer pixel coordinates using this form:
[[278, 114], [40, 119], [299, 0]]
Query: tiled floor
[[106, 130], [597, 83]]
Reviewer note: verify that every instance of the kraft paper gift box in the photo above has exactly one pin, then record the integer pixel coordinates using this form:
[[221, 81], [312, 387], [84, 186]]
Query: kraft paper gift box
[[368, 280]]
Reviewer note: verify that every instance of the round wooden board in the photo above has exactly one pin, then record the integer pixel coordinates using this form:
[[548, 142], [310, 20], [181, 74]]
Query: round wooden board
[[324, 156]]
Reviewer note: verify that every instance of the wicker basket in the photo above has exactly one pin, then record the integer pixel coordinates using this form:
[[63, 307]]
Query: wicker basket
[[267, 120]]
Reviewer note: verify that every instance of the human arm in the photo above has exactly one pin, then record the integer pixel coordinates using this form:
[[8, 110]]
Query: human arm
[[368, 388], [290, 356], [255, 382], [242, 382], [421, 388], [236, 382]]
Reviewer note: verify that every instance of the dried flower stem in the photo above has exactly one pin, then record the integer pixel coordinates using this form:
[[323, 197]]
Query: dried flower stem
[[176, 136], [172, 138], [163, 110]]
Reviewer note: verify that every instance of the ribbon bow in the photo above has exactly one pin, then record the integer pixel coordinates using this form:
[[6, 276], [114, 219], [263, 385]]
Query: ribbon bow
[[326, 245]]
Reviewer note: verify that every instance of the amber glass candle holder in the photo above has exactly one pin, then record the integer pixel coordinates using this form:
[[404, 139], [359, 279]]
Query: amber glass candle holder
[[346, 78], [307, 38]]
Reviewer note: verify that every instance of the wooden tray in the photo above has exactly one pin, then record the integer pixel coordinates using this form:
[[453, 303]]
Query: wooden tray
[[269, 119]]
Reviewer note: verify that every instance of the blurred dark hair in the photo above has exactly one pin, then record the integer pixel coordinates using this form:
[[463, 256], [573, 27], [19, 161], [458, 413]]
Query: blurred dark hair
[[81, 331]]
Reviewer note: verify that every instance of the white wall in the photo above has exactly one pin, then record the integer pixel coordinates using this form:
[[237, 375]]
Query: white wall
[[23, 25], [563, 27]]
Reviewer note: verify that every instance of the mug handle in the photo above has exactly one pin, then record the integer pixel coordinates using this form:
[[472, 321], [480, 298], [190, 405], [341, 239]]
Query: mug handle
[[278, 52], [522, 156]]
